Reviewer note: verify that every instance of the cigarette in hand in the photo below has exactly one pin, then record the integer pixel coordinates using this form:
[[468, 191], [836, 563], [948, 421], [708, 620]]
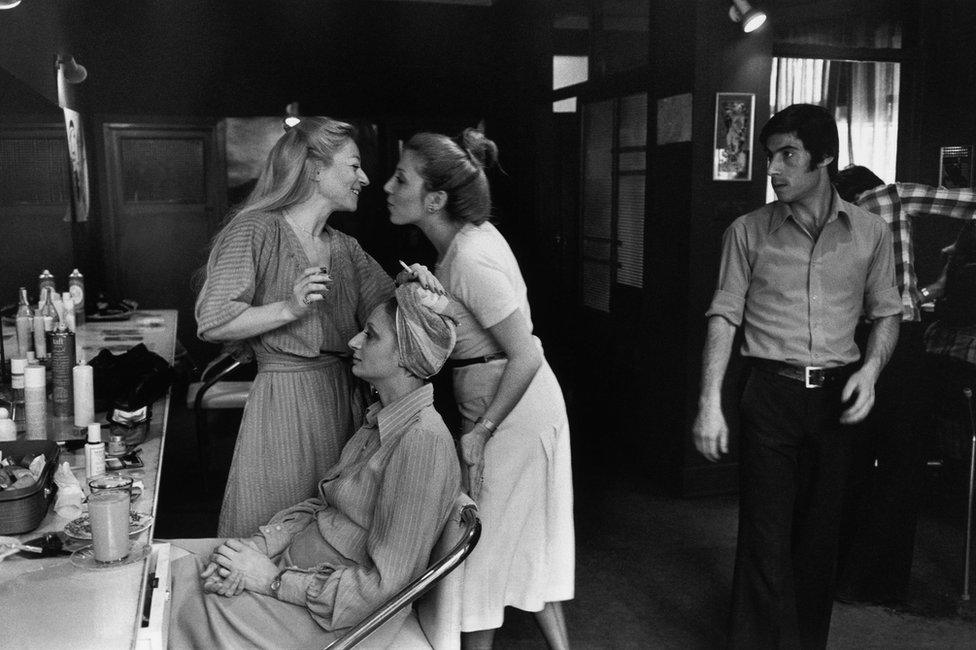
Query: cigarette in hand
[[407, 268]]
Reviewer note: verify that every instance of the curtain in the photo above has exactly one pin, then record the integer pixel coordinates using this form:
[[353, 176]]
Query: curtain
[[863, 96]]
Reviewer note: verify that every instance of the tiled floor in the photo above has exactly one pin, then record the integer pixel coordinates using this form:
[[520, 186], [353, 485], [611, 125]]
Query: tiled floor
[[652, 571]]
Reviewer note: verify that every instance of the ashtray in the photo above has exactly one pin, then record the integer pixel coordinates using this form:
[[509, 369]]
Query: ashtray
[[84, 558]]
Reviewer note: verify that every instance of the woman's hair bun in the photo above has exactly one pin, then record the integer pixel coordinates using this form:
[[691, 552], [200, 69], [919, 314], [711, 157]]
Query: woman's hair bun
[[482, 150]]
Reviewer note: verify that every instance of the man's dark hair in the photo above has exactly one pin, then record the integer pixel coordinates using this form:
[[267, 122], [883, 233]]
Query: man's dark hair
[[855, 179], [813, 125]]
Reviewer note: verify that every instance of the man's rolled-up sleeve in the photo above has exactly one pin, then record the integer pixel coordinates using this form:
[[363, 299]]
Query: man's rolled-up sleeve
[[881, 297], [729, 300]]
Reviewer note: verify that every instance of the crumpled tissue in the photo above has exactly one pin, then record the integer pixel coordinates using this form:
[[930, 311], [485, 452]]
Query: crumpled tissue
[[37, 466], [67, 504]]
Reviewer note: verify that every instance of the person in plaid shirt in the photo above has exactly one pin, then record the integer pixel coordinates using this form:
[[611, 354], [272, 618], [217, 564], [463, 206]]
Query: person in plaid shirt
[[878, 534], [896, 203]]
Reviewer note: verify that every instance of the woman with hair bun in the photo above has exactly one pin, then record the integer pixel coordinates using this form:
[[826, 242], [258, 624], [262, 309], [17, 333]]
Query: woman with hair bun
[[294, 290], [515, 443]]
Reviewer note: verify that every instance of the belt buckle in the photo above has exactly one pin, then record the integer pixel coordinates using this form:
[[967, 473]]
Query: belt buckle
[[807, 370]]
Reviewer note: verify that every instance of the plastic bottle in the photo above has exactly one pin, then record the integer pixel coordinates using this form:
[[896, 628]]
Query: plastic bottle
[[35, 402], [25, 325], [94, 451], [8, 430], [84, 394], [76, 286]]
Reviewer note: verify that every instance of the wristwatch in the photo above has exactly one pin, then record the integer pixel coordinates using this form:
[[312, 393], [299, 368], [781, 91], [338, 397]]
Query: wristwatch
[[276, 584]]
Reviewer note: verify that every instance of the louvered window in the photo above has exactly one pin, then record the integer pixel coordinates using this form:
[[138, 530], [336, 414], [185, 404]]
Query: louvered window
[[614, 170]]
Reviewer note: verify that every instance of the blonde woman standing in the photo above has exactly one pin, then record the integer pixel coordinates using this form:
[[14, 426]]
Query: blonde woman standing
[[295, 290]]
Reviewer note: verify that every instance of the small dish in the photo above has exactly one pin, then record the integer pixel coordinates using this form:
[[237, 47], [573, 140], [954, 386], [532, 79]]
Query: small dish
[[80, 528], [84, 558]]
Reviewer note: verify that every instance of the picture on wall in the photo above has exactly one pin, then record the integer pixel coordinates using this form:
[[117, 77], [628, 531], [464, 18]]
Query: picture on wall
[[732, 152]]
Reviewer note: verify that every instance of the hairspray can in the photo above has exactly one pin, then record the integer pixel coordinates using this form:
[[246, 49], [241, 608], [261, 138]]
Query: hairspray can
[[62, 365], [76, 286], [45, 281]]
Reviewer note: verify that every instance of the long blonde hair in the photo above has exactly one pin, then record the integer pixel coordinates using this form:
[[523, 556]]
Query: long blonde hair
[[288, 175]]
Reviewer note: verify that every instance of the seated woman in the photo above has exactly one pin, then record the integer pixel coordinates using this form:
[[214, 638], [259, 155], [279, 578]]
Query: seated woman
[[323, 564]]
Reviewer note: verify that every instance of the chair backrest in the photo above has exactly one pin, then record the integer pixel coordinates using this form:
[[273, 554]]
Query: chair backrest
[[439, 610], [437, 591]]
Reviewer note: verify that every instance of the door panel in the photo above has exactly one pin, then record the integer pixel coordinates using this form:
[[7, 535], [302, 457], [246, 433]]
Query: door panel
[[166, 185]]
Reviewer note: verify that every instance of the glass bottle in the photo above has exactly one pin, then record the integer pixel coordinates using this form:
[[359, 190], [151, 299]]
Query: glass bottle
[[25, 325]]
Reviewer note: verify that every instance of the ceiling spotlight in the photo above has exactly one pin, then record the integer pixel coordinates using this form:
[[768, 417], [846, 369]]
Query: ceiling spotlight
[[74, 72], [8, 4], [743, 12]]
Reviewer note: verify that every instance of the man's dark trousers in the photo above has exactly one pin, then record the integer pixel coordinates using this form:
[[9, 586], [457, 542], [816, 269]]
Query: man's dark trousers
[[794, 457]]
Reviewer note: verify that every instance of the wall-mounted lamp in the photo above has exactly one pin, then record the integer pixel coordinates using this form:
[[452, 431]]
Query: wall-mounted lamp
[[291, 115], [8, 4], [750, 17], [74, 72]]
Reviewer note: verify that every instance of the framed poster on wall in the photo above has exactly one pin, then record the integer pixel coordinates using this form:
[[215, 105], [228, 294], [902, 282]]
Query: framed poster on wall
[[732, 148]]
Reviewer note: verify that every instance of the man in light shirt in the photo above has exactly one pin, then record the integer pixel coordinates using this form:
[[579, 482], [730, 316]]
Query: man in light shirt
[[796, 275]]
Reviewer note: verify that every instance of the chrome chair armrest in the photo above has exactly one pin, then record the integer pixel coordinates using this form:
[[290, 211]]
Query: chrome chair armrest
[[417, 588], [220, 374]]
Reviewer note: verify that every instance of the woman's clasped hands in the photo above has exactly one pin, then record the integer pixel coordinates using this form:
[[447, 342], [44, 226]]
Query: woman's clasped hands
[[238, 565]]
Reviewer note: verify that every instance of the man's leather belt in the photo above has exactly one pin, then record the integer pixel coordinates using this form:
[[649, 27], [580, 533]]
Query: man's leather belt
[[810, 376], [460, 363]]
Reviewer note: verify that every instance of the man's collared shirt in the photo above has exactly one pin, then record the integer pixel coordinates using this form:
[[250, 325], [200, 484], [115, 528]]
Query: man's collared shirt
[[799, 297], [895, 203]]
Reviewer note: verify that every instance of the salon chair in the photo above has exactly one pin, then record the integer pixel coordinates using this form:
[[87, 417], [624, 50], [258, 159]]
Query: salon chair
[[435, 621], [214, 391]]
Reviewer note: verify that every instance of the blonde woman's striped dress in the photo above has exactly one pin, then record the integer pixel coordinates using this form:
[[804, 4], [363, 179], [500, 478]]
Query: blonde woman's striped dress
[[305, 402]]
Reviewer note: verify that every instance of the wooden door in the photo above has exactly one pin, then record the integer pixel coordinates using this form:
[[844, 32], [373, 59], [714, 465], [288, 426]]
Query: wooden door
[[166, 194]]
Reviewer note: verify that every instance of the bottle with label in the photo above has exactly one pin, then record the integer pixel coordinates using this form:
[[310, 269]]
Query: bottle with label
[[62, 364], [76, 286], [94, 451], [45, 281], [25, 325]]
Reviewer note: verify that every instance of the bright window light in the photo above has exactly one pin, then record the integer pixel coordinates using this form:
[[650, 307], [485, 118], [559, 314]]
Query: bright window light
[[569, 70]]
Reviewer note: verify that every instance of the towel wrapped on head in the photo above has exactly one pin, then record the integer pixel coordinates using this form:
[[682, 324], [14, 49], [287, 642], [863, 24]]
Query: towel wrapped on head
[[425, 332]]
